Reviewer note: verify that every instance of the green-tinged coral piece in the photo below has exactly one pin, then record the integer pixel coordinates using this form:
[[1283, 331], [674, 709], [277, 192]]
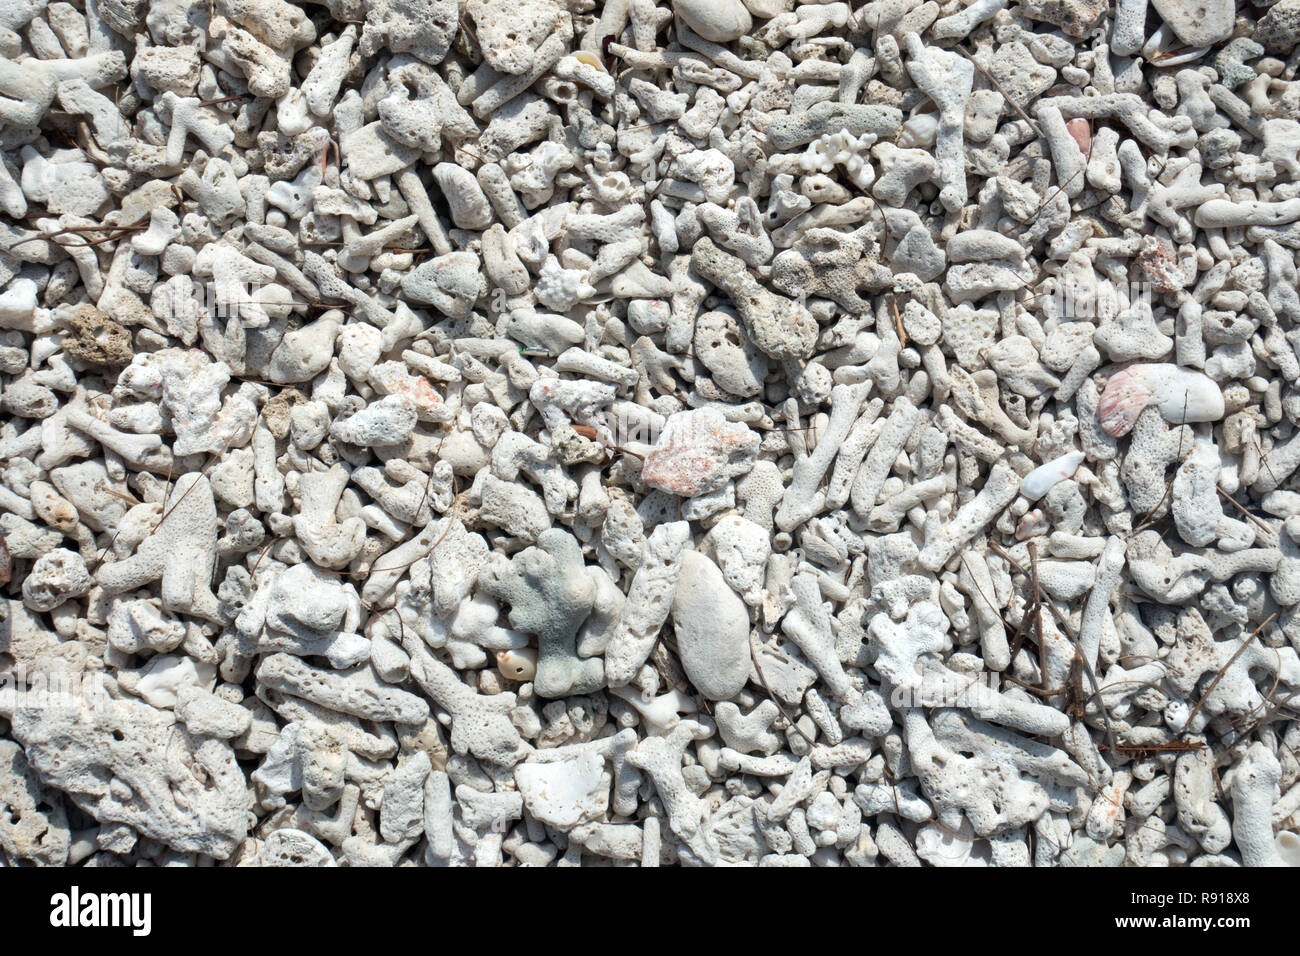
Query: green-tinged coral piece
[[550, 595]]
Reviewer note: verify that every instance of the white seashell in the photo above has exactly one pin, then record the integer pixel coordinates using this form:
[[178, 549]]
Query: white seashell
[[919, 131], [768, 8], [1180, 395], [659, 713], [947, 848], [1039, 481], [718, 20], [519, 664], [1288, 848], [1032, 525]]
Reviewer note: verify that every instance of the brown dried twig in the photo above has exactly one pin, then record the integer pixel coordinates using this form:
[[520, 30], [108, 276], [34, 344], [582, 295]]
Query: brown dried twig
[[1224, 669], [1067, 630], [1253, 519], [762, 679], [998, 86]]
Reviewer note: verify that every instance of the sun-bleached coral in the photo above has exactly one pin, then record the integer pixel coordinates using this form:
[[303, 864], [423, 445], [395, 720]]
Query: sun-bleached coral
[[715, 432]]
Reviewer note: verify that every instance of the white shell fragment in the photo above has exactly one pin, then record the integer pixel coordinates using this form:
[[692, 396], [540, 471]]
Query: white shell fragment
[[564, 792], [1041, 480], [473, 433]]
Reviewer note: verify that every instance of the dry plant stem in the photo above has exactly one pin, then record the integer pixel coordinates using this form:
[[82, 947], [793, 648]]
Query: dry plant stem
[[1224, 669], [758, 668], [1067, 631]]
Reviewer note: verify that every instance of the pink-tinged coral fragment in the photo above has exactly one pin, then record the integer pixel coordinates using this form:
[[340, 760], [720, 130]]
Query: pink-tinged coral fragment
[[1180, 395], [1081, 130], [698, 452]]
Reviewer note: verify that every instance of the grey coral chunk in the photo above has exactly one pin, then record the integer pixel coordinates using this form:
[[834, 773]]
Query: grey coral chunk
[[550, 595]]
